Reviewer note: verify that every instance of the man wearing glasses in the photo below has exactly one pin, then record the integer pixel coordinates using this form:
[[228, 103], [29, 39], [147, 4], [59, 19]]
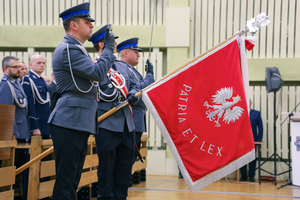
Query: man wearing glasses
[[11, 93]]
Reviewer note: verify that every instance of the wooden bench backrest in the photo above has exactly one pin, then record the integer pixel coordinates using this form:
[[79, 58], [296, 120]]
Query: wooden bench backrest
[[7, 119]]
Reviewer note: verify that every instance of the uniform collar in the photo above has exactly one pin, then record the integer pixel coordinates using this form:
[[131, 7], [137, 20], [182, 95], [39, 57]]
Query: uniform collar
[[10, 79], [79, 42], [126, 63], [69, 37], [35, 74]]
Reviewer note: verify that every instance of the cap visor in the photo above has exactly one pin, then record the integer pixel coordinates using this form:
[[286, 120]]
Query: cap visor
[[136, 48], [89, 18]]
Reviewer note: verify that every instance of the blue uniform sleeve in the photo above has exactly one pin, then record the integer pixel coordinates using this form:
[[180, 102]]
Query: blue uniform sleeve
[[31, 107], [134, 88], [148, 80], [5, 94], [86, 68], [6, 97]]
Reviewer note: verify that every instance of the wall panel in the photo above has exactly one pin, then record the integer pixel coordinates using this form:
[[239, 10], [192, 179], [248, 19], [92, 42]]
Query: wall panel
[[280, 39], [117, 12]]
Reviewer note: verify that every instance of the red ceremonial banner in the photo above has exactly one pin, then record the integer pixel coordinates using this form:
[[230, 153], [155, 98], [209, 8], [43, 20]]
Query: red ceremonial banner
[[202, 113]]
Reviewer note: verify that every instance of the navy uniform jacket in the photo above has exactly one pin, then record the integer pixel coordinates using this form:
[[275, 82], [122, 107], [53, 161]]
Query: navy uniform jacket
[[38, 113], [256, 123], [139, 109], [116, 121], [21, 125], [78, 112]]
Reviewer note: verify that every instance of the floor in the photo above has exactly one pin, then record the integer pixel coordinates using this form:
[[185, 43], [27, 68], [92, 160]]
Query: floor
[[173, 188]]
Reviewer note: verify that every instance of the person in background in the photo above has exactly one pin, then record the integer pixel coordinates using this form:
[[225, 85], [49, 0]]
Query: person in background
[[38, 96], [11, 93], [116, 138], [257, 130], [74, 117], [47, 79], [24, 70]]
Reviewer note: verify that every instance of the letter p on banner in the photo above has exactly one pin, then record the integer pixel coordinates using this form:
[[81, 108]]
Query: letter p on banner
[[216, 114]]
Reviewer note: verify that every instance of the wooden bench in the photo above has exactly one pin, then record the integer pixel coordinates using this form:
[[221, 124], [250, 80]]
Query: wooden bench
[[42, 169], [7, 151]]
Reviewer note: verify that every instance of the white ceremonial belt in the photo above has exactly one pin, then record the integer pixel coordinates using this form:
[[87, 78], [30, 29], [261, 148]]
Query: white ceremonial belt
[[118, 81]]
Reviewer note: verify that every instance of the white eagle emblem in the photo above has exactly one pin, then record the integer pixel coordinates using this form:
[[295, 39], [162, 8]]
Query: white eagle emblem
[[232, 112]]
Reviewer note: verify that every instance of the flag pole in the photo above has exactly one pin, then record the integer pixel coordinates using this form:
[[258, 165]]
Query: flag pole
[[138, 94], [155, 5]]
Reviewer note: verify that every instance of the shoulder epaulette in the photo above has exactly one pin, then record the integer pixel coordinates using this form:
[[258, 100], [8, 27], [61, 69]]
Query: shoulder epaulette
[[4, 78]]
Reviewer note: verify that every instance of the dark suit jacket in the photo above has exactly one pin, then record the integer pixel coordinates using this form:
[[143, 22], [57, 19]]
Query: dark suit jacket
[[256, 125]]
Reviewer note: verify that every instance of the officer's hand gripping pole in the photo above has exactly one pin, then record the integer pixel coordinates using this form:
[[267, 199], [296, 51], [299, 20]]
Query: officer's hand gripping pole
[[108, 29], [115, 109]]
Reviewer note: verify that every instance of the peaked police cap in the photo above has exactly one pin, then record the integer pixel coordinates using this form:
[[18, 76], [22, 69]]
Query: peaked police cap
[[131, 43], [80, 10]]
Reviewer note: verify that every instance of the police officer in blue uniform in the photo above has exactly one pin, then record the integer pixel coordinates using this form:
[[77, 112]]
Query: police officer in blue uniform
[[257, 130], [38, 96], [115, 142], [11, 93], [130, 57], [74, 118]]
